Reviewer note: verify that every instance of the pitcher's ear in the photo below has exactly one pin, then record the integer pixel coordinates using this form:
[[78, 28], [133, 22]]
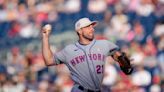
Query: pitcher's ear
[[79, 31]]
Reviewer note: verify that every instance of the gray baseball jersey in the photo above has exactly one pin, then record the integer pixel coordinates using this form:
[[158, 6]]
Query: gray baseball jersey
[[86, 62]]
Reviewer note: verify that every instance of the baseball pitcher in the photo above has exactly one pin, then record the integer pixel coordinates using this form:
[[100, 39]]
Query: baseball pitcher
[[85, 58]]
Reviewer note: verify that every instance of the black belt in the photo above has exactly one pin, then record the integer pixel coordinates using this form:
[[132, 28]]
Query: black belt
[[87, 90]]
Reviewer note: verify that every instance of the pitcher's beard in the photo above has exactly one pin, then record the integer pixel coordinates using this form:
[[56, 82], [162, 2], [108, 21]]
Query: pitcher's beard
[[90, 38]]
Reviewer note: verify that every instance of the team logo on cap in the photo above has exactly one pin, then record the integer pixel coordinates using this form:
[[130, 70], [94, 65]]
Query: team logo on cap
[[78, 24]]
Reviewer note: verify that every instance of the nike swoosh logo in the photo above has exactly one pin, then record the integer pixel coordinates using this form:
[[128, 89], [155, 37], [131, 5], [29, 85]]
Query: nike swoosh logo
[[76, 49]]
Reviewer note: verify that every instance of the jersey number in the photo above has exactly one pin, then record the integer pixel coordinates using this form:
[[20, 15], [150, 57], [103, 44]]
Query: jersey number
[[99, 69]]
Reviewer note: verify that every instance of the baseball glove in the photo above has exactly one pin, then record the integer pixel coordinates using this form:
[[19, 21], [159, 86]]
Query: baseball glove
[[125, 65]]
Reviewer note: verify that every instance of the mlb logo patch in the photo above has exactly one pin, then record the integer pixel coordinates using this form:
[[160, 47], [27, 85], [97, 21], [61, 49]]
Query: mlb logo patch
[[98, 48], [78, 24]]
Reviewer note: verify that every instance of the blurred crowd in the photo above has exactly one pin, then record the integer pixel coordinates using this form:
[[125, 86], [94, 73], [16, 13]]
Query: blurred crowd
[[137, 26]]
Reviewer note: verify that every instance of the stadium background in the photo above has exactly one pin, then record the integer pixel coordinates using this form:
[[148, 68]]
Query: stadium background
[[137, 26]]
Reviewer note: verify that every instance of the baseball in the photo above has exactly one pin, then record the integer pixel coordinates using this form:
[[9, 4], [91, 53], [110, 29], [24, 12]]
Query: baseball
[[48, 27]]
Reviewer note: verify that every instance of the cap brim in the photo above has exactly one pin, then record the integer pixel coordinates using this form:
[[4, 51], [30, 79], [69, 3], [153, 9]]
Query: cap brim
[[94, 23]]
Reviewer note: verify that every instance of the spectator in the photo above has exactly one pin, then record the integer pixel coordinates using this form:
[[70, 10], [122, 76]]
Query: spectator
[[110, 76], [138, 80], [120, 23]]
